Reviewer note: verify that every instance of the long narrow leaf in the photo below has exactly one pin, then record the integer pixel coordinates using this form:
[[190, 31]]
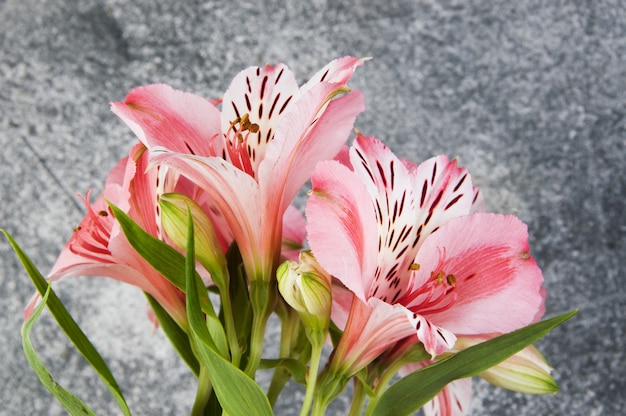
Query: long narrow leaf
[[237, 393], [70, 327], [176, 335], [72, 403], [413, 391]]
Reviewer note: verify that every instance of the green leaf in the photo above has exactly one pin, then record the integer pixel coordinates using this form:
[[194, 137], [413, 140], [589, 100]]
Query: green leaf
[[164, 258], [70, 327], [238, 288], [177, 336], [413, 391], [237, 393], [72, 403], [297, 369]]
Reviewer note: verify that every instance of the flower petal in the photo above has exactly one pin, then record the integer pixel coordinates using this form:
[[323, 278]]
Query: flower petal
[[372, 327], [161, 116], [341, 228], [444, 191], [390, 189], [237, 196], [261, 96], [305, 137], [294, 233], [454, 400], [338, 71], [436, 340], [497, 284]]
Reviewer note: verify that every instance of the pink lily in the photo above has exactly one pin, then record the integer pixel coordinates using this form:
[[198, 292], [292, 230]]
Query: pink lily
[[99, 248], [254, 155], [402, 238]]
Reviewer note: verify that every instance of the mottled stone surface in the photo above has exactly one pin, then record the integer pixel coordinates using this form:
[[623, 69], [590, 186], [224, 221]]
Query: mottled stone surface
[[530, 95]]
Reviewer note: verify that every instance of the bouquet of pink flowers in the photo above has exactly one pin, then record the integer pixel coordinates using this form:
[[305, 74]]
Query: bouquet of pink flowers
[[394, 267]]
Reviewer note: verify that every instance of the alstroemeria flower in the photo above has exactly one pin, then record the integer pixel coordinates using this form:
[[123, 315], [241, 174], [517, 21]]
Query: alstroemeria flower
[[420, 265], [99, 248], [255, 154]]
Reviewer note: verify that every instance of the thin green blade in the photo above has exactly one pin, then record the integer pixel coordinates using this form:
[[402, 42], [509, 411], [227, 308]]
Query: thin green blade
[[176, 335], [72, 403], [237, 393], [70, 327]]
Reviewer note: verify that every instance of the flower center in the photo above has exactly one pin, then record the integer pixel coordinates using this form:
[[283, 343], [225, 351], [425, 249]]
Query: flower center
[[240, 151], [435, 295], [91, 237]]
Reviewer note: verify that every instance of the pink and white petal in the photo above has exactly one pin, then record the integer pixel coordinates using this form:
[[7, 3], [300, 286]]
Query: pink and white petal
[[305, 137], [444, 191], [338, 71], [161, 116], [294, 233], [498, 285], [236, 195], [436, 340], [264, 94], [140, 187], [454, 400], [478, 204], [341, 226], [372, 327], [342, 302], [343, 157], [390, 188]]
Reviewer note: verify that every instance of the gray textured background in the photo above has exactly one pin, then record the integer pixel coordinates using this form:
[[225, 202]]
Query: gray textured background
[[530, 96]]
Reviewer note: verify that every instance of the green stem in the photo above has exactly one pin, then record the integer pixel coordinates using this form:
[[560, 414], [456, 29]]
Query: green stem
[[203, 393], [262, 298], [383, 382], [358, 399], [329, 387], [316, 355], [289, 324]]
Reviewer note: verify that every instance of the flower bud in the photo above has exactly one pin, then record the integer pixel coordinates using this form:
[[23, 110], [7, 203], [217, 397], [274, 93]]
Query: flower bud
[[526, 372], [174, 208], [305, 286]]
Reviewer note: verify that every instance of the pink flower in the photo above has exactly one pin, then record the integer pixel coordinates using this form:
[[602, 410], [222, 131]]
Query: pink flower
[[255, 154], [99, 248], [419, 264]]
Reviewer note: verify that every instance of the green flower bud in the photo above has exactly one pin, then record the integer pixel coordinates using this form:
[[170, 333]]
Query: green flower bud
[[305, 286], [174, 208], [526, 372]]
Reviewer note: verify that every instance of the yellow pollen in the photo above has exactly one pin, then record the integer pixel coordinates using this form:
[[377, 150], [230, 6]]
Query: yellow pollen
[[414, 266], [439, 277]]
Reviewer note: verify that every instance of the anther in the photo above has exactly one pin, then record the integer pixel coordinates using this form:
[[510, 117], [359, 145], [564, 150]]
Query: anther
[[451, 279]]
